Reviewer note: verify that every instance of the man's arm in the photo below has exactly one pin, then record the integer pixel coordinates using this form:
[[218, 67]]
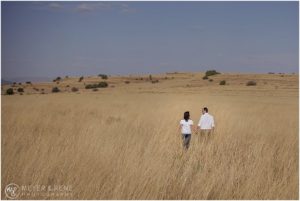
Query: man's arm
[[200, 122], [212, 123]]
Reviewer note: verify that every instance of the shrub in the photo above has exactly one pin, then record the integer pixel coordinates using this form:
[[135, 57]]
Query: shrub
[[205, 77], [20, 90], [271, 73], [223, 82], [95, 89], [127, 82], [251, 83], [211, 72], [103, 85], [103, 76], [74, 89], [20, 83], [154, 81], [28, 82], [57, 79], [68, 86], [150, 77], [90, 86], [99, 85], [211, 80], [55, 90], [80, 79], [10, 91]]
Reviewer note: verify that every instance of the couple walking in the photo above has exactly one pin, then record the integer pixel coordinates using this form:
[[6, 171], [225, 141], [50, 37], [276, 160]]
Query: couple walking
[[205, 126]]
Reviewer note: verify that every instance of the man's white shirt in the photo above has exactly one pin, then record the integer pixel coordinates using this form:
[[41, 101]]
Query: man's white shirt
[[206, 121]]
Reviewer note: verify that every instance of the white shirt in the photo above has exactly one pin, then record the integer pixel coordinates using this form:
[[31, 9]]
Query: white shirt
[[186, 126], [206, 121]]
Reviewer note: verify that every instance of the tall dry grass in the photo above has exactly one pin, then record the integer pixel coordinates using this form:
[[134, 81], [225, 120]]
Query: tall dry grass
[[127, 146]]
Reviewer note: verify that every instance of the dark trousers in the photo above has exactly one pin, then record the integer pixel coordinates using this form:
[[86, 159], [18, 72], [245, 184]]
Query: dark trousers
[[186, 138]]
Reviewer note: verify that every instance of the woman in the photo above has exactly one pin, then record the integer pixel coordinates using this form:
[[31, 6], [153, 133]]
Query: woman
[[186, 129]]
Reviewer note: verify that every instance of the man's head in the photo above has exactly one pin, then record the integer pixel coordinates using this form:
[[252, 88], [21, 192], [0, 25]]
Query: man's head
[[204, 110]]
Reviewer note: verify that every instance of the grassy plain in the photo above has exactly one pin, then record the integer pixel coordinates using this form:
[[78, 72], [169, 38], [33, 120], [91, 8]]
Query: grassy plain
[[122, 142]]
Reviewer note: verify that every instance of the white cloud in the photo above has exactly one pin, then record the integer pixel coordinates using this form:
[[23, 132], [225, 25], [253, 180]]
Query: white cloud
[[84, 7], [125, 8], [55, 5], [104, 6]]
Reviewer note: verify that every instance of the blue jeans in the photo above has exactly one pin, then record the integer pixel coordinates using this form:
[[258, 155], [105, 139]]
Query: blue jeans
[[186, 138]]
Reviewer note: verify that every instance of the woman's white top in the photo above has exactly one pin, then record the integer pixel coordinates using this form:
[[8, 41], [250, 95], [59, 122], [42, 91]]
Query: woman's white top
[[186, 126]]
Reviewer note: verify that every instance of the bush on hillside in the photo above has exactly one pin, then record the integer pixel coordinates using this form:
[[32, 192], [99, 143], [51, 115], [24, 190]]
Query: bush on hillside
[[74, 89], [10, 91], [55, 90], [103, 76], [20, 90], [223, 82], [251, 83], [211, 72], [57, 79], [99, 85]]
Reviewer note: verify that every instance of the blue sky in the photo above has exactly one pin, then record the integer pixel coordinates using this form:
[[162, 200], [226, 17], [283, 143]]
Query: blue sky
[[85, 38]]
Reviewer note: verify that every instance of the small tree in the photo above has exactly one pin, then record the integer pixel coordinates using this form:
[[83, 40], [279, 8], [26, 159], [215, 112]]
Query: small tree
[[150, 77], [205, 77], [223, 82], [80, 79], [10, 91]]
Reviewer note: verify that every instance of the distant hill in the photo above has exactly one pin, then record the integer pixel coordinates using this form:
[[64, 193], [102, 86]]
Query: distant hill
[[25, 79], [5, 82]]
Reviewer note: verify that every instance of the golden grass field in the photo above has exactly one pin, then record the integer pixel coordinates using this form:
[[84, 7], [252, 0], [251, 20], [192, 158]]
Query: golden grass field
[[123, 142]]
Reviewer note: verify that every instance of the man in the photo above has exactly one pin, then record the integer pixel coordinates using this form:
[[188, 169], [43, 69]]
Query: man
[[206, 124]]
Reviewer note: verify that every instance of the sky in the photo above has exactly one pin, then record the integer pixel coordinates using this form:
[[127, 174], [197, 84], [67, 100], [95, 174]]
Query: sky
[[50, 39]]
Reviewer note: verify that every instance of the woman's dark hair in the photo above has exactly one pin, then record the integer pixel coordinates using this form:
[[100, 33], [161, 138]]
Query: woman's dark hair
[[186, 116]]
